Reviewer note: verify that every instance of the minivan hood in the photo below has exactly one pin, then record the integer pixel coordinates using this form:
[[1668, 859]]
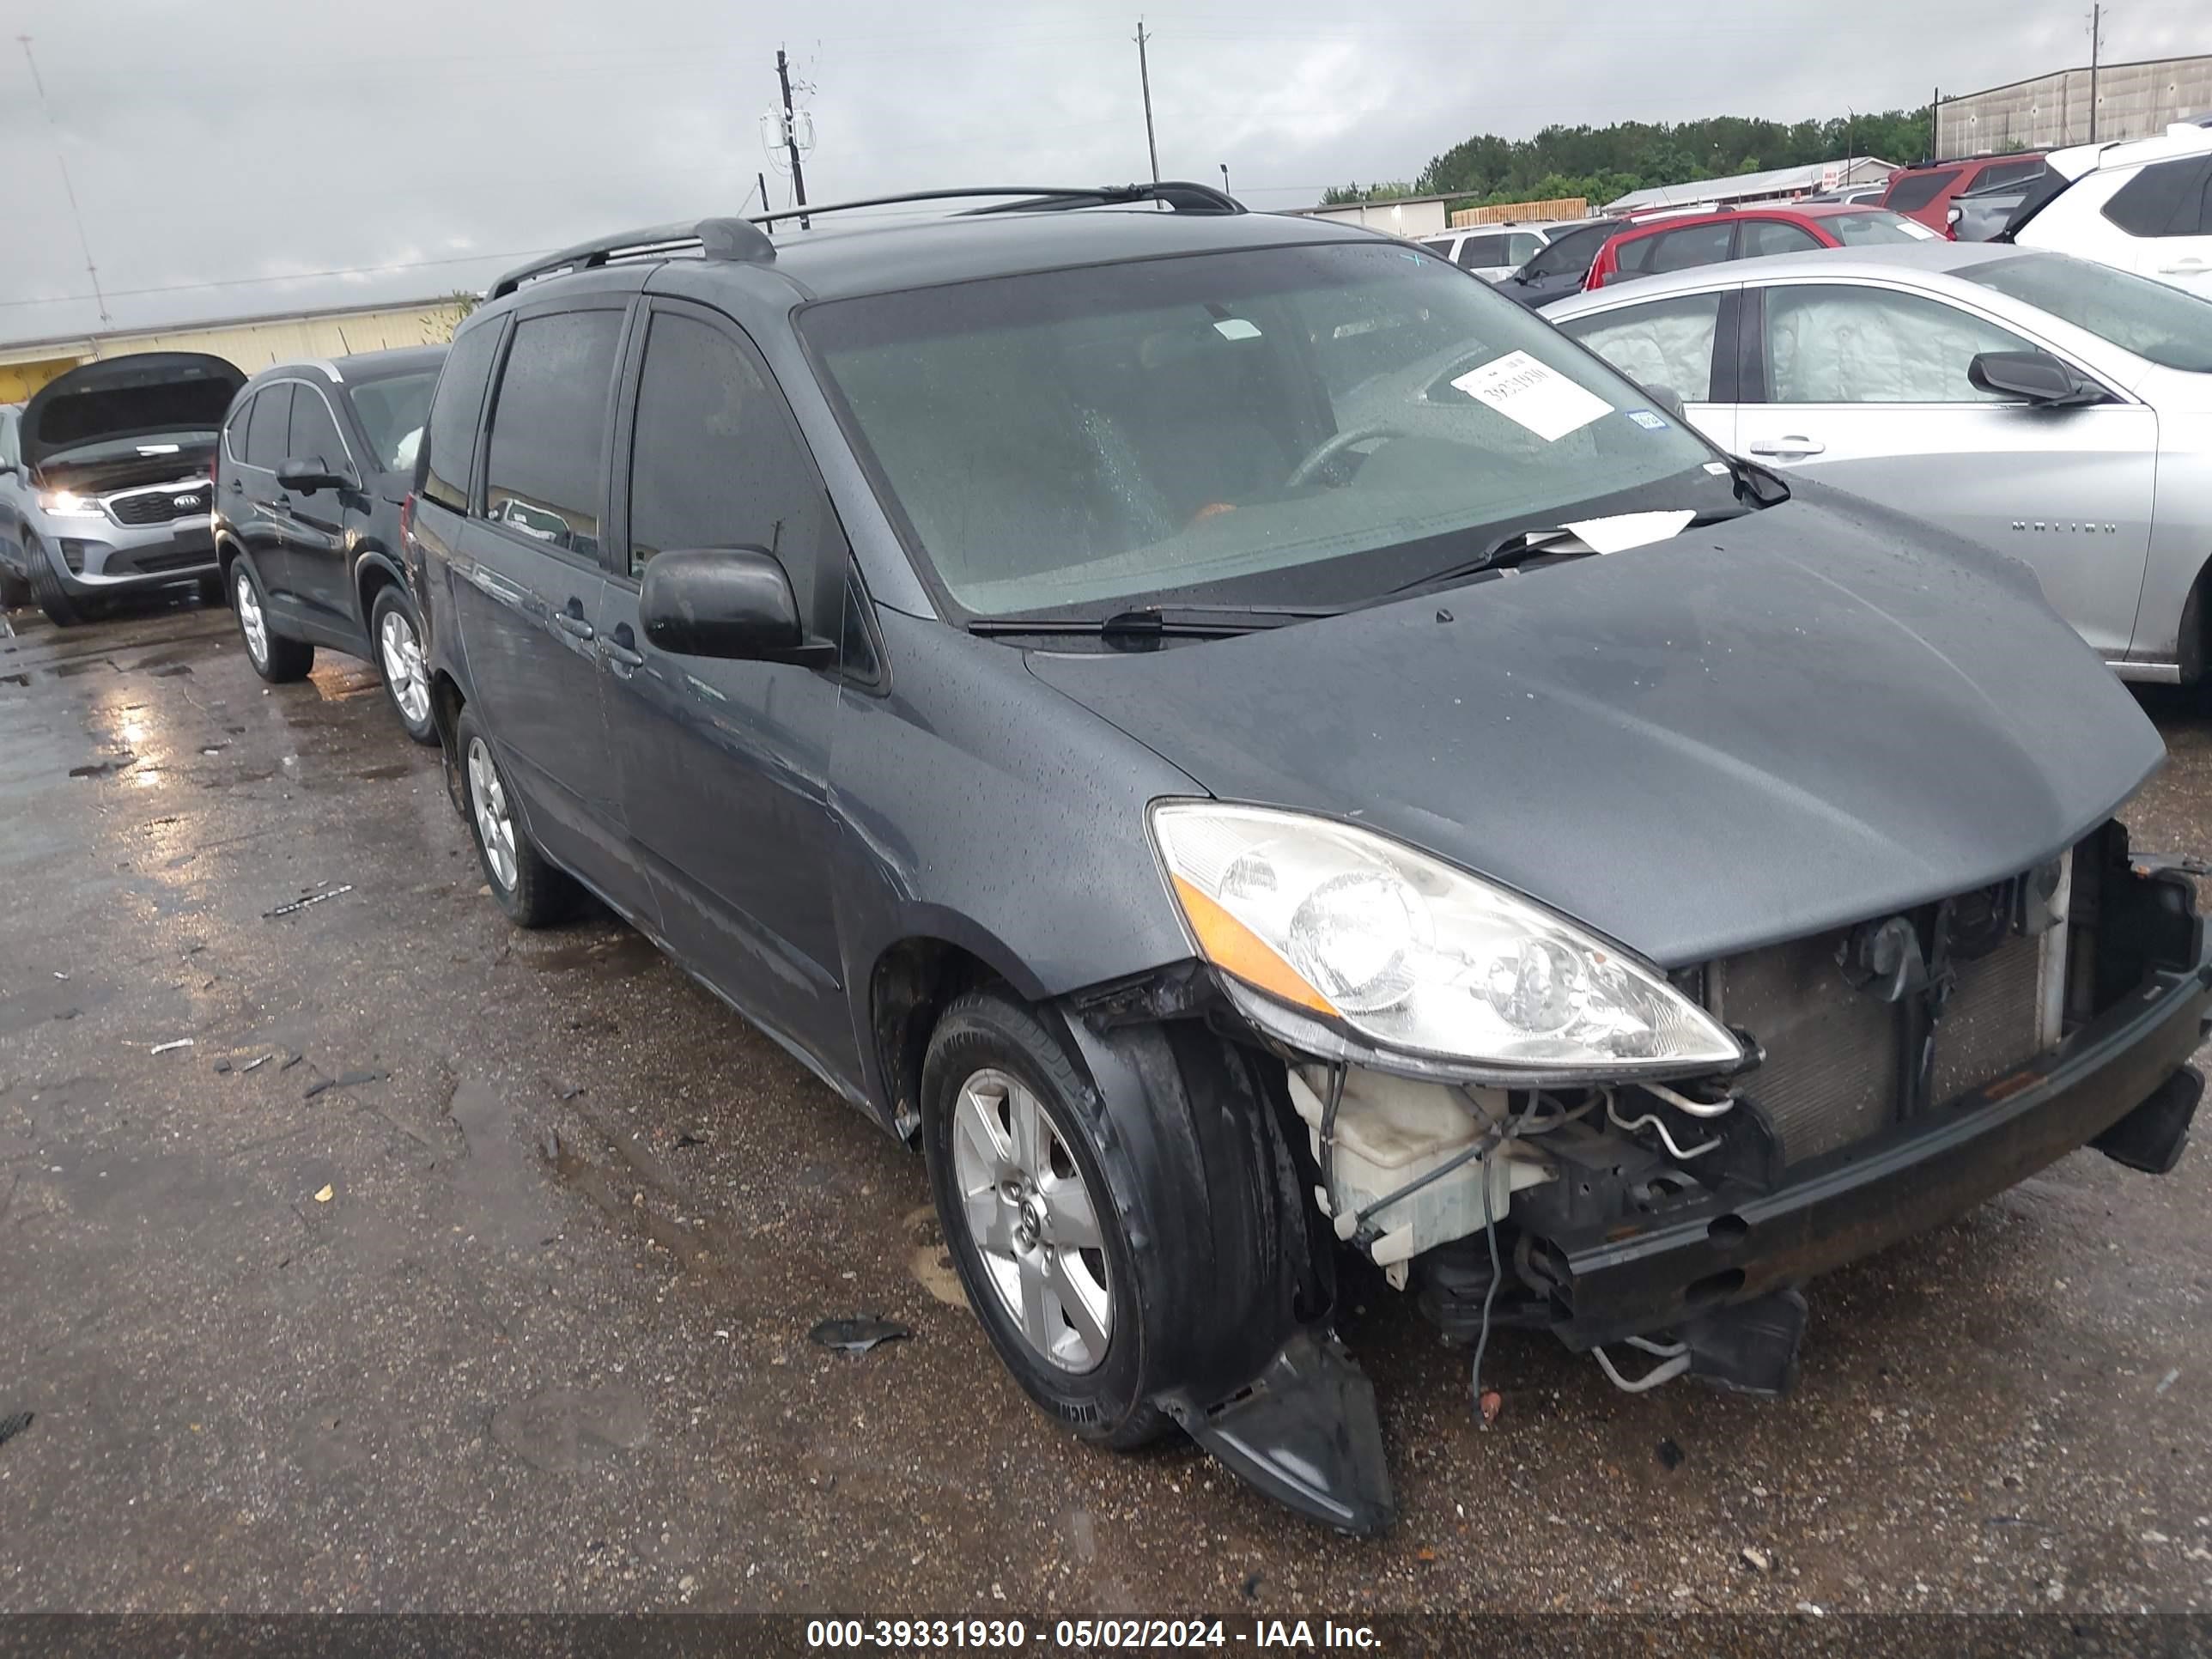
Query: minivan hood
[[1806, 717], [145, 395]]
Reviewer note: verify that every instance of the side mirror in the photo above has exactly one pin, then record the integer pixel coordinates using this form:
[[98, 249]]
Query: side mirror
[[308, 474], [2033, 377], [734, 603]]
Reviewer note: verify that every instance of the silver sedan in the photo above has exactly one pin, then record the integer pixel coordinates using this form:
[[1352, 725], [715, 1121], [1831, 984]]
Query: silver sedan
[[2055, 409]]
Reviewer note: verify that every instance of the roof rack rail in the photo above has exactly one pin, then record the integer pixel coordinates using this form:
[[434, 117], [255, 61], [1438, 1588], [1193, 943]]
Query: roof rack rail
[[1183, 198], [722, 239]]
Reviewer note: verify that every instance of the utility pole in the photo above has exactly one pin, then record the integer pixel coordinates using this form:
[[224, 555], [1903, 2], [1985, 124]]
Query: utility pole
[[77, 214], [1224, 177], [2096, 40], [1935, 126], [1144, 75], [791, 138], [761, 180]]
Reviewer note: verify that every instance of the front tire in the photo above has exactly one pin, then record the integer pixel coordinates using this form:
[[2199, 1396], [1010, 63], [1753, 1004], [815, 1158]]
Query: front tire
[[1034, 1226], [523, 883], [275, 659], [46, 589], [398, 632]]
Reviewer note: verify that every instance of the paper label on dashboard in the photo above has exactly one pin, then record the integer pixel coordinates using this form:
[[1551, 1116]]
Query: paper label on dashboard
[[1534, 394]]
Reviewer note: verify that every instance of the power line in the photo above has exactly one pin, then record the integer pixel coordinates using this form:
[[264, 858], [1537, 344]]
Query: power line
[[286, 276], [69, 190]]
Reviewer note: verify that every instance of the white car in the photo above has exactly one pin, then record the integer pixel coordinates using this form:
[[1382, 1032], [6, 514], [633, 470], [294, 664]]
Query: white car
[[2054, 410], [1490, 252], [2144, 206]]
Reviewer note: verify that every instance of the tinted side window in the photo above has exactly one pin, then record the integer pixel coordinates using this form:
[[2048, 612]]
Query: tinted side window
[[1665, 345], [1521, 247], [1765, 236], [2003, 175], [233, 433], [448, 448], [1571, 252], [1868, 345], [715, 459], [1916, 190], [1694, 245], [270, 430], [314, 434], [1478, 250], [1635, 253], [544, 470], [2166, 198]]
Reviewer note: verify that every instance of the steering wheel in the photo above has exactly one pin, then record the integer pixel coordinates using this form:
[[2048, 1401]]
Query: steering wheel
[[1333, 446]]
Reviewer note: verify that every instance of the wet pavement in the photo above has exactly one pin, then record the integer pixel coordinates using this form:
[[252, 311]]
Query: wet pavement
[[453, 1267]]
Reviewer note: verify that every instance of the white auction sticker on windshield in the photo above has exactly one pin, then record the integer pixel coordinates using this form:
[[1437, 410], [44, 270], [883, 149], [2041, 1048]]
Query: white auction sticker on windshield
[[1540, 398]]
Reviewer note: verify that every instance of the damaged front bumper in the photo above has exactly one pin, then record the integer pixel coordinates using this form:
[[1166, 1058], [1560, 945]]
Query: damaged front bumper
[[1607, 1283]]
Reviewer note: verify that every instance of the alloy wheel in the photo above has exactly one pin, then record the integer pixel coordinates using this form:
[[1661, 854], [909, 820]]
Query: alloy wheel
[[404, 669], [1032, 1220], [251, 623], [488, 805]]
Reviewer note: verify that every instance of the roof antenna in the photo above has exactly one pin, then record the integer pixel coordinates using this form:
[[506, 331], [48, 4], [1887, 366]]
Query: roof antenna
[[68, 189]]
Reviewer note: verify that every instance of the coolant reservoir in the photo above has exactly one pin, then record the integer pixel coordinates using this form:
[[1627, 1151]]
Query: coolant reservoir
[[1391, 1131]]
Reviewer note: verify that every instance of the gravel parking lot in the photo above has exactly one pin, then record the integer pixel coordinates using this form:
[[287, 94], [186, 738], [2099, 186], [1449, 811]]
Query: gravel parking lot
[[496, 1297]]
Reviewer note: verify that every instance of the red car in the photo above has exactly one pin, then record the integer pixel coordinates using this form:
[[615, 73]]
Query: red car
[[1677, 242], [1924, 193]]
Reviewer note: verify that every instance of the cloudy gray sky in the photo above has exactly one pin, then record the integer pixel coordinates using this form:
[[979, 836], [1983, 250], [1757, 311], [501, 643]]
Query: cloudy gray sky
[[243, 157]]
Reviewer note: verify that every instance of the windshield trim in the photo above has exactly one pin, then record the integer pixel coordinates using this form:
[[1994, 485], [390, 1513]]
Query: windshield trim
[[953, 613]]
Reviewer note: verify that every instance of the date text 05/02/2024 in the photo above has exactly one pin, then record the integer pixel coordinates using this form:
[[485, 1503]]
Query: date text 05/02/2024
[[1087, 1634]]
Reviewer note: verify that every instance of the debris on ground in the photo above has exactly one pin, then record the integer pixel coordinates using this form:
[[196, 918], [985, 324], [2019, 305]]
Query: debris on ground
[[305, 900], [252, 1065], [1757, 1559], [289, 1062], [858, 1334], [326, 1194], [69, 1014], [1490, 1404], [350, 1080], [102, 768], [164, 1047], [2168, 1380], [568, 1090], [687, 1139], [14, 1424], [1670, 1453], [316, 1088], [221, 1066]]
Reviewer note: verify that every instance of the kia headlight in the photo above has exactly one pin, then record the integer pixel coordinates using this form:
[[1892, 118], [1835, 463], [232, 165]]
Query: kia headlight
[[1410, 956], [68, 504]]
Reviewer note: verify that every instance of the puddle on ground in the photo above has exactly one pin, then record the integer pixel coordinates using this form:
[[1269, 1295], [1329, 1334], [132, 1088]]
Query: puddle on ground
[[497, 1185], [561, 1430]]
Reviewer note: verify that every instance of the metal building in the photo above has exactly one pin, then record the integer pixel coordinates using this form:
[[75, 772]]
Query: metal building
[[253, 344], [2133, 100]]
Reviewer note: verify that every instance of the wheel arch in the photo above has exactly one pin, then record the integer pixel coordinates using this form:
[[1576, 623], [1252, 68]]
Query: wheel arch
[[374, 571]]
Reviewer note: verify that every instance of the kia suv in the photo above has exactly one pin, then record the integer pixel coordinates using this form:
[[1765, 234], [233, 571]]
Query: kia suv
[[104, 482]]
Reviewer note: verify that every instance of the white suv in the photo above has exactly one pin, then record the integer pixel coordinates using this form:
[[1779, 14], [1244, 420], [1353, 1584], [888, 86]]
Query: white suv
[[2144, 206], [1490, 252]]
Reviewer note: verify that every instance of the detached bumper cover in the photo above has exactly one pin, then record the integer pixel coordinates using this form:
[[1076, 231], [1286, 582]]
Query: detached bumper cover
[[1833, 1210]]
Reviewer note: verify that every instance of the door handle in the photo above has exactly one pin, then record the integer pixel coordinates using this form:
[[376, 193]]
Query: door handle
[[2182, 268], [1786, 448], [237, 486], [575, 626], [622, 659]]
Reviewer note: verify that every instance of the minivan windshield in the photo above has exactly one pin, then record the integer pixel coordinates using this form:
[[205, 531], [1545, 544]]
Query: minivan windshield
[[1306, 424], [2169, 326]]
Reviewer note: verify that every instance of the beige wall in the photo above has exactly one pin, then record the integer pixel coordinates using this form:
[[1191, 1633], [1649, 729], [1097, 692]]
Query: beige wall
[[1397, 218], [2134, 101], [252, 346]]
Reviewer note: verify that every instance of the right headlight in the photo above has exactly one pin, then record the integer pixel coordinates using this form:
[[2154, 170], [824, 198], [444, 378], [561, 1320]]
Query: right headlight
[[1413, 956]]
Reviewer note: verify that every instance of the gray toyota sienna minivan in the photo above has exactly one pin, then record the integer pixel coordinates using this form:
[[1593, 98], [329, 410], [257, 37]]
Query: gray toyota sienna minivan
[[1251, 749]]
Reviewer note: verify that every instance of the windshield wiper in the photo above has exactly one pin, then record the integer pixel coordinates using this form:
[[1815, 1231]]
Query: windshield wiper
[[1505, 552], [1159, 621]]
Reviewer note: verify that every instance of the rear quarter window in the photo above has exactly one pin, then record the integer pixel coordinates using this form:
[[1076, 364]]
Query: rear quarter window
[[447, 453], [2166, 199], [1918, 190]]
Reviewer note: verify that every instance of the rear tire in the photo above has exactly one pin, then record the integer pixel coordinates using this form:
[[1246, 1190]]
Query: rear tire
[[46, 587], [275, 659], [523, 882], [397, 632]]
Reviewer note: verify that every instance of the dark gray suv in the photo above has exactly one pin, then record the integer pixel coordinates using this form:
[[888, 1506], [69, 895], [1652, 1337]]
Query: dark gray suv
[[1252, 751]]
